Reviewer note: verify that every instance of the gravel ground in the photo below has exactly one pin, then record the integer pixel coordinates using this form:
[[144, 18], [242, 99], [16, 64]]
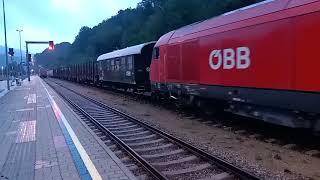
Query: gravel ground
[[266, 160]]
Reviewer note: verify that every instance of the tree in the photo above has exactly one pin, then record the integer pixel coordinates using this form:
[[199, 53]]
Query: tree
[[147, 22]]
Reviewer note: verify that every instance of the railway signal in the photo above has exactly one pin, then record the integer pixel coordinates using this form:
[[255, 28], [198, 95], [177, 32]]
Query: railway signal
[[11, 52], [51, 45], [29, 58], [50, 48]]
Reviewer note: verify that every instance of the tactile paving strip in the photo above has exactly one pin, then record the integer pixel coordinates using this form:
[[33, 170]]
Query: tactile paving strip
[[26, 131]]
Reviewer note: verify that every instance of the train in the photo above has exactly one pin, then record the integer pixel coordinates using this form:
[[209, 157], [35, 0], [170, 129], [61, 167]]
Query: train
[[260, 61], [43, 72]]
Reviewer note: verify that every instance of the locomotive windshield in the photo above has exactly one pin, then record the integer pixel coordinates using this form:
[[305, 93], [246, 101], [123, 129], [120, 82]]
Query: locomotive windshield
[[155, 53]]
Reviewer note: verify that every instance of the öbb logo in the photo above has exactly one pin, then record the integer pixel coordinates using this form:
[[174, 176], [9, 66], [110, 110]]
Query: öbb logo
[[230, 58]]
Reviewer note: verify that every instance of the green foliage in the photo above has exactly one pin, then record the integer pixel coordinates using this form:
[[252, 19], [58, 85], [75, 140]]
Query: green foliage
[[147, 22], [56, 58]]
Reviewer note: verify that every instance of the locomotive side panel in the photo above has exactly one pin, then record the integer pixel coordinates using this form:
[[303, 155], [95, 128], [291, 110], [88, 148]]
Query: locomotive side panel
[[190, 70], [173, 63], [258, 56], [155, 65], [162, 64], [307, 36]]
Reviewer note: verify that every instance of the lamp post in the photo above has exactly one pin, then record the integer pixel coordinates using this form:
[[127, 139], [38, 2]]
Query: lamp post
[[20, 30], [5, 40]]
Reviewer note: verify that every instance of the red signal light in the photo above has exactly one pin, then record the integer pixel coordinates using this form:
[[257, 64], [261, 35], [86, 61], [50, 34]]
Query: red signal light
[[51, 45]]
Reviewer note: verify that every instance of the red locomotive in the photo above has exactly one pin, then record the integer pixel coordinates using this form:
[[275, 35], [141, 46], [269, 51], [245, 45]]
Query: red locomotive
[[43, 73], [260, 61]]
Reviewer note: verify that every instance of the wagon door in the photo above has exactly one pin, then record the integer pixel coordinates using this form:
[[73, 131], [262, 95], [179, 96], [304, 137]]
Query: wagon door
[[161, 64]]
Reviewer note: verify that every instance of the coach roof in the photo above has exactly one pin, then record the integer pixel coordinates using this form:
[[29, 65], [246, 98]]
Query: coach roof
[[124, 52]]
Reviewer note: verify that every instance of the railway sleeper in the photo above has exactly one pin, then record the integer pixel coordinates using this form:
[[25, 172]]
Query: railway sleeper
[[128, 131], [142, 177], [221, 176], [147, 143], [142, 150], [97, 110], [96, 130], [139, 138], [109, 143], [133, 167], [122, 128], [118, 124], [100, 133], [106, 139], [126, 160], [120, 154], [187, 170], [177, 161], [114, 122], [103, 113], [133, 134], [160, 155], [112, 147], [107, 118], [91, 126]]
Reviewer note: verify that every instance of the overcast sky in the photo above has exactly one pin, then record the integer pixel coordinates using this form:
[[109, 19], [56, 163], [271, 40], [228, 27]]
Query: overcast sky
[[58, 20]]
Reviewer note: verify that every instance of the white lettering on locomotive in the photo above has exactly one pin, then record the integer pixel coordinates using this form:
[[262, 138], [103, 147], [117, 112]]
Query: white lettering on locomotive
[[230, 58]]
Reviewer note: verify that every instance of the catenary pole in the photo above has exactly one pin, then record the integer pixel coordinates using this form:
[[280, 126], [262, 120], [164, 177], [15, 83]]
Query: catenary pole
[[5, 41]]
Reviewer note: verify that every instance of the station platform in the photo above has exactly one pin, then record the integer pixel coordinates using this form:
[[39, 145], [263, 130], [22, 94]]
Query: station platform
[[42, 138], [4, 88]]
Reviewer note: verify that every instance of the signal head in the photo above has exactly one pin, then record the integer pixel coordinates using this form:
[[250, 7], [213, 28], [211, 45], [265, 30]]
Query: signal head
[[51, 45]]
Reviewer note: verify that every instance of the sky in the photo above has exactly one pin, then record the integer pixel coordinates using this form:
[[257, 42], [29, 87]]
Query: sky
[[57, 20]]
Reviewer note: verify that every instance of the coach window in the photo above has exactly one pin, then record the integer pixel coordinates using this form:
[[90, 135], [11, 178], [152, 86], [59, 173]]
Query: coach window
[[155, 53], [103, 65], [117, 64], [123, 64], [112, 65], [130, 62], [100, 65], [107, 65]]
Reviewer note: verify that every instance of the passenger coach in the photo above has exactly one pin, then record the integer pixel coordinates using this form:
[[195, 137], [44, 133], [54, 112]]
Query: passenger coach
[[127, 68]]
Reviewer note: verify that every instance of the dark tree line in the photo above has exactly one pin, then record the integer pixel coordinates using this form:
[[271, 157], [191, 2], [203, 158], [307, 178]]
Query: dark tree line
[[147, 22]]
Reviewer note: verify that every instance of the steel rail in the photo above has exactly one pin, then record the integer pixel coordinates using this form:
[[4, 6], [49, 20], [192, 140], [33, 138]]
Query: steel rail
[[152, 170], [242, 174]]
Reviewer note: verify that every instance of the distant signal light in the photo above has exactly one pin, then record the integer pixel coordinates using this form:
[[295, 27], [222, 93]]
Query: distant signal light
[[11, 52], [51, 46]]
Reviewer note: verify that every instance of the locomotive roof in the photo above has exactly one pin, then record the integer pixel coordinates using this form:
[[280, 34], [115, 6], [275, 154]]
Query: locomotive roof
[[255, 10], [124, 52]]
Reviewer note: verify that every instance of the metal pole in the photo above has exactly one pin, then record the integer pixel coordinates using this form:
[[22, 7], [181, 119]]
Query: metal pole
[[20, 46], [12, 70], [20, 30], [27, 61], [5, 40]]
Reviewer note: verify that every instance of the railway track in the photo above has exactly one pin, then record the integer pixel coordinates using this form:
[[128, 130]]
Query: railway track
[[148, 152]]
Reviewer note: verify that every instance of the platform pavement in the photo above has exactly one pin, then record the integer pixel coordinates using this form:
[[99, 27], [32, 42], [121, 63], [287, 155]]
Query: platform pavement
[[4, 88], [34, 144]]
